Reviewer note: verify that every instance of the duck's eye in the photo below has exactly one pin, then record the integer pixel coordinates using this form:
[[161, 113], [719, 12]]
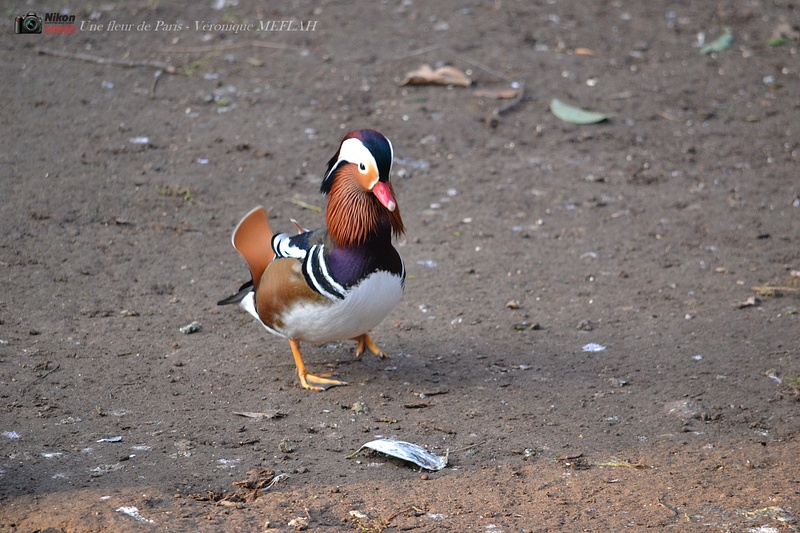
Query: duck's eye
[[362, 167]]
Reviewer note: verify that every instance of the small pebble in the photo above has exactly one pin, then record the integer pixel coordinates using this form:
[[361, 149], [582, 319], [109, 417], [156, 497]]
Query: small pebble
[[424, 477], [194, 327], [360, 408]]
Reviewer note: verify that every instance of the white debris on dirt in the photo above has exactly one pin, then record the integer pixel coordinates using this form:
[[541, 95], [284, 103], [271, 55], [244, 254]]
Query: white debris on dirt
[[593, 347], [133, 512]]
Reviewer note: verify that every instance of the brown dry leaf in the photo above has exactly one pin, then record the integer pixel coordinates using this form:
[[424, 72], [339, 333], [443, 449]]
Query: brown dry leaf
[[248, 491], [257, 478], [498, 94], [425, 75]]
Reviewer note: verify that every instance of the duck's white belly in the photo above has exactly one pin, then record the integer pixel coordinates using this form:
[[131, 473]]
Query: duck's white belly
[[364, 307]]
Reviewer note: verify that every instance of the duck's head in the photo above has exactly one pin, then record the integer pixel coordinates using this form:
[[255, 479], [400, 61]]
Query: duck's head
[[357, 182]]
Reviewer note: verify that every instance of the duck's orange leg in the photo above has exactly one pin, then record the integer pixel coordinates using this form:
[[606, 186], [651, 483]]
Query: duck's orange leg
[[365, 342], [311, 381]]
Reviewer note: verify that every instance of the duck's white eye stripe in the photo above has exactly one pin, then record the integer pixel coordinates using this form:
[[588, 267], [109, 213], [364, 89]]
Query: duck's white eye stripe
[[354, 151]]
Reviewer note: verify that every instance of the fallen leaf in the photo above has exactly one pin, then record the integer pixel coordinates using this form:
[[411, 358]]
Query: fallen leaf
[[406, 451], [257, 478], [585, 52], [446, 75], [575, 115], [721, 43], [497, 94]]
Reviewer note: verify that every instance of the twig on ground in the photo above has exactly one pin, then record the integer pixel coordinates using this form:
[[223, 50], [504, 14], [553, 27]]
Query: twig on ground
[[417, 52], [483, 67], [502, 110], [166, 67], [228, 46], [402, 511], [40, 378], [774, 288], [156, 77], [465, 448]]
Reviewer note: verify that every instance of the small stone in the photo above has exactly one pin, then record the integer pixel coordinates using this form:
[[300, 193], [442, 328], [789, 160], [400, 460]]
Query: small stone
[[683, 409], [194, 327], [298, 524], [360, 408]]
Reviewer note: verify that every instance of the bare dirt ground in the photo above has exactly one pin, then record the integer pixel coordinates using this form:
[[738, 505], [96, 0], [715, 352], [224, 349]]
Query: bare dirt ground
[[528, 238]]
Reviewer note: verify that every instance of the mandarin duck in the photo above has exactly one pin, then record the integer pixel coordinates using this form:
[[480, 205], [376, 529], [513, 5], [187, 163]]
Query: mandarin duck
[[336, 282]]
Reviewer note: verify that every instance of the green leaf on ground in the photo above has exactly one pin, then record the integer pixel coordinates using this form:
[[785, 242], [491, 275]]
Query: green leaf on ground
[[721, 43], [575, 115]]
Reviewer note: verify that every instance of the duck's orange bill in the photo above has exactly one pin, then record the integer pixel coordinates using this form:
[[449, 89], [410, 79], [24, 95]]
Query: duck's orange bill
[[384, 195]]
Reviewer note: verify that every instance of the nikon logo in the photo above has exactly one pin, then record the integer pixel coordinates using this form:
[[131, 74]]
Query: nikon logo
[[58, 18]]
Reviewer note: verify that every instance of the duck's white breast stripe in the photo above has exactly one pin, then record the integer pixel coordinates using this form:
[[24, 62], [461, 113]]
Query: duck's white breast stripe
[[315, 270]]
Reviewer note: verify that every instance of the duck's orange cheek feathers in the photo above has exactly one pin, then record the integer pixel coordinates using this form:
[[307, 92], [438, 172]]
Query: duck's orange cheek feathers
[[281, 287]]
